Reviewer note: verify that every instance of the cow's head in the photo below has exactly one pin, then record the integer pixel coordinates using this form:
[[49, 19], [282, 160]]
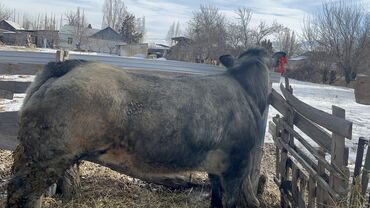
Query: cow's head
[[246, 60]]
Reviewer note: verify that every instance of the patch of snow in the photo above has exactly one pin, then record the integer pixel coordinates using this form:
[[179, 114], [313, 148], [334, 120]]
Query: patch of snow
[[12, 105], [19, 78], [162, 59]]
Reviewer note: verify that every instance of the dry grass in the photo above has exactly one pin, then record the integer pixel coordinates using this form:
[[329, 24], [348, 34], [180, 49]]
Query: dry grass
[[102, 187]]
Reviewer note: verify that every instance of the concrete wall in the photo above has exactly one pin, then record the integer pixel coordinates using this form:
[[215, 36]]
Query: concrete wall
[[103, 46], [133, 49]]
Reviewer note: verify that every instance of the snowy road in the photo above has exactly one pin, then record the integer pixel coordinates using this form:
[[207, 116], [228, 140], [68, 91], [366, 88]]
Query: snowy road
[[33, 57]]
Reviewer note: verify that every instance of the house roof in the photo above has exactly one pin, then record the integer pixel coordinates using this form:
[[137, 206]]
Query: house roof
[[14, 25], [181, 38], [70, 29], [107, 34]]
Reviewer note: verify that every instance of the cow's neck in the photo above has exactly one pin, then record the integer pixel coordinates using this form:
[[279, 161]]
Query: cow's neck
[[255, 84]]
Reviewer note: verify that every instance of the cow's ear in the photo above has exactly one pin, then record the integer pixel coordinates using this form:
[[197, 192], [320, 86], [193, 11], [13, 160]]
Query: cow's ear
[[227, 61]]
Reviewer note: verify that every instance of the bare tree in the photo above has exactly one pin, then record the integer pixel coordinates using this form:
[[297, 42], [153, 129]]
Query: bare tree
[[286, 41], [263, 30], [140, 27], [239, 32], [244, 18], [26, 23], [170, 34], [114, 11], [5, 13], [341, 29], [77, 19], [207, 29], [177, 30]]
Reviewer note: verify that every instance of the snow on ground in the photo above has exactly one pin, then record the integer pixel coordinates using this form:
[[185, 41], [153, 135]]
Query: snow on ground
[[323, 97], [48, 50], [317, 95]]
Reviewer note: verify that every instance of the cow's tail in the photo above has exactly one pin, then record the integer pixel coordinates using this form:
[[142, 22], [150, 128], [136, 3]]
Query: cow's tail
[[51, 70]]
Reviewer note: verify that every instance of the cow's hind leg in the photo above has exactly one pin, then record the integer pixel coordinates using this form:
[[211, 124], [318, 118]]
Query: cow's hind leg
[[216, 197]]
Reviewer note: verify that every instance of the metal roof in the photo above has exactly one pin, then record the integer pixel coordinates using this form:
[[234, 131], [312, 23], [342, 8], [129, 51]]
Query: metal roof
[[15, 25]]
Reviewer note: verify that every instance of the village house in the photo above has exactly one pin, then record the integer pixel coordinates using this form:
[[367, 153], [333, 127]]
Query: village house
[[89, 39], [12, 33], [182, 50], [75, 38]]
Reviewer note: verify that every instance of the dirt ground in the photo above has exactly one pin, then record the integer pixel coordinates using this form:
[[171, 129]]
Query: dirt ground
[[102, 187]]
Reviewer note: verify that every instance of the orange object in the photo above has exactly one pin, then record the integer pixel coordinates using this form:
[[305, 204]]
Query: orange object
[[282, 61]]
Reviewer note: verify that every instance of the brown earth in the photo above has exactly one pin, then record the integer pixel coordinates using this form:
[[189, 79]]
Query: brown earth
[[102, 187]]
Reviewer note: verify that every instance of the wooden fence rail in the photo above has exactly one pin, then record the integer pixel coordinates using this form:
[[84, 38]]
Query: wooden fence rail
[[311, 174]]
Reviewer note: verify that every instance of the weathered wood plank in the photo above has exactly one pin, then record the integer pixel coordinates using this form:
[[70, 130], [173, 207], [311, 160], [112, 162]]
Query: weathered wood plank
[[311, 192], [310, 170], [273, 132], [8, 142], [272, 128], [322, 197], [20, 69], [295, 191], [304, 156], [365, 173], [359, 157], [8, 130], [4, 94], [14, 86], [278, 102], [326, 120], [311, 149], [339, 184], [302, 192], [313, 131], [9, 123]]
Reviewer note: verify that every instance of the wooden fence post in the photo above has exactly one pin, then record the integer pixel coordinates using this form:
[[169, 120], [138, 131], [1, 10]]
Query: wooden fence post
[[60, 55], [311, 192], [66, 55], [359, 157], [365, 173], [339, 155], [321, 194], [302, 192], [295, 191]]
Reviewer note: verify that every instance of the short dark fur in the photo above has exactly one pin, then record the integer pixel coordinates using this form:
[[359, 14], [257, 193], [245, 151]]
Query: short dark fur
[[148, 125]]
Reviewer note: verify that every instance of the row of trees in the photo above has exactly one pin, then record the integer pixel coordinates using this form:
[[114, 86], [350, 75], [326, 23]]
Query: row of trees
[[5, 13], [212, 34], [340, 33], [337, 36]]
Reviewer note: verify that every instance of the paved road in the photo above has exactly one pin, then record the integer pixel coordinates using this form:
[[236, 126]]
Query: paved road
[[124, 62]]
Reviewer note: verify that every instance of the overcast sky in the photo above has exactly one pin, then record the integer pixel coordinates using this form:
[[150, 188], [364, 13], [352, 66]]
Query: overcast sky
[[160, 14]]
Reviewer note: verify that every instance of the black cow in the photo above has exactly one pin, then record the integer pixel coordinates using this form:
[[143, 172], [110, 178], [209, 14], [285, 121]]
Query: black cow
[[146, 125]]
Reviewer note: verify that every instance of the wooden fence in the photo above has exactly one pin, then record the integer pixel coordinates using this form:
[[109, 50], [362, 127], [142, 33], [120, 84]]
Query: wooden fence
[[312, 175]]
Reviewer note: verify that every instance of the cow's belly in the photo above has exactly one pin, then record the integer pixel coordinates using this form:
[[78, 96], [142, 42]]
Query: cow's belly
[[215, 161]]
